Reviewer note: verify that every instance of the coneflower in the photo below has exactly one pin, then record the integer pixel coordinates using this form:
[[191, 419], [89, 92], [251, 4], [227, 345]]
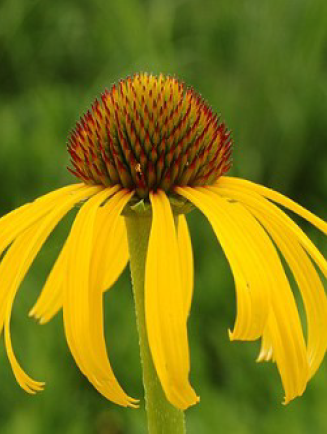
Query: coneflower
[[146, 153]]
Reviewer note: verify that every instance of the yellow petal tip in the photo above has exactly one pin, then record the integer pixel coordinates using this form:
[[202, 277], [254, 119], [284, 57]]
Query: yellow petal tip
[[31, 313], [231, 335]]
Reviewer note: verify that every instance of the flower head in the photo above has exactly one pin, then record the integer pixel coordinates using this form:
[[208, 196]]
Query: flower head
[[150, 133], [153, 141]]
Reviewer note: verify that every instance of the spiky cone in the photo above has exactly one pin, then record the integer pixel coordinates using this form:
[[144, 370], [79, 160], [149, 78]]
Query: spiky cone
[[149, 133]]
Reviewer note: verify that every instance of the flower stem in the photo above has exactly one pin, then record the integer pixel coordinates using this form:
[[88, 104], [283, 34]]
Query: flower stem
[[163, 418]]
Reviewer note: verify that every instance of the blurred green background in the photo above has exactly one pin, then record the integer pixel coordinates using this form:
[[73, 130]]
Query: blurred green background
[[260, 63]]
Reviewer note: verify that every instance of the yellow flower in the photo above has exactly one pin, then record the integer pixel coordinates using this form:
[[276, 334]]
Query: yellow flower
[[153, 147]]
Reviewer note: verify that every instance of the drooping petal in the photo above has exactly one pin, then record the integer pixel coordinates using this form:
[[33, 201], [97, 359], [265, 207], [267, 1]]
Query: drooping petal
[[119, 246], [283, 320], [284, 329], [14, 223], [51, 297], [287, 334], [310, 285], [16, 264], [238, 183], [45, 199], [186, 261], [81, 295], [24, 380], [255, 201], [107, 255], [251, 280], [63, 205], [165, 306]]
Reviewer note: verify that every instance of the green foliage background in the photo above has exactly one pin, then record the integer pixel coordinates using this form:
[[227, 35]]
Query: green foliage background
[[262, 64]]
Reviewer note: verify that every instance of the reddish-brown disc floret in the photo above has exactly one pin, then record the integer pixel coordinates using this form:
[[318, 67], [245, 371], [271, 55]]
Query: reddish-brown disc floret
[[150, 132]]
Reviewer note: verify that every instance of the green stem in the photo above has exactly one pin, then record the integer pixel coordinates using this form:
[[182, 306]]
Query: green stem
[[163, 418]]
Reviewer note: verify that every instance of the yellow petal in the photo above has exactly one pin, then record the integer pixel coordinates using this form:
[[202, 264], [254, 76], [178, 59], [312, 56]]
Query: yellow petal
[[165, 306], [15, 252], [186, 261], [47, 198], [82, 296], [16, 264], [238, 183], [255, 201], [14, 223], [41, 230], [251, 280], [107, 255], [284, 325], [51, 297], [266, 351], [310, 285], [118, 244]]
